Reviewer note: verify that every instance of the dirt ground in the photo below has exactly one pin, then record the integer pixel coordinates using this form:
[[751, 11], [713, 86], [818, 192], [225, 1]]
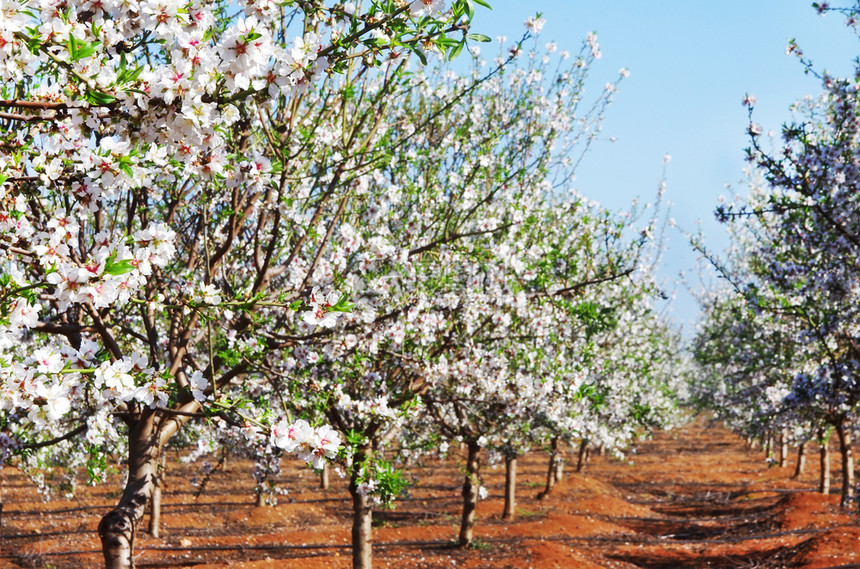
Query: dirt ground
[[696, 497]]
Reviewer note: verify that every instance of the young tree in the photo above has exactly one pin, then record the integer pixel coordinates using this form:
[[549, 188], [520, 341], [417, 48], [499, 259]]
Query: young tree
[[437, 208]]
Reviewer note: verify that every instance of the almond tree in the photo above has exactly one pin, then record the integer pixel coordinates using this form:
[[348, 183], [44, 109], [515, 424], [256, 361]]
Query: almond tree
[[531, 353], [171, 175], [801, 267], [467, 167]]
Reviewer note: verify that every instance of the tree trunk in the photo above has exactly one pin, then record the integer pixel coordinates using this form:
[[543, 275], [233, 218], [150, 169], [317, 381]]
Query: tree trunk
[[768, 448], [118, 527], [148, 434], [559, 466], [783, 449], [581, 457], [847, 464], [801, 460], [551, 470], [510, 487], [362, 514], [155, 506], [824, 458], [470, 494], [324, 477]]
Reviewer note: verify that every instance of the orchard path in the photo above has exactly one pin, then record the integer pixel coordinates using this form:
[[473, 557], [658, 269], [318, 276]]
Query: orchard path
[[714, 503], [696, 497]]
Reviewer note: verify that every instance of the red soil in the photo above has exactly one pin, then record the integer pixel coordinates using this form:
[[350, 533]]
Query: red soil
[[691, 498]]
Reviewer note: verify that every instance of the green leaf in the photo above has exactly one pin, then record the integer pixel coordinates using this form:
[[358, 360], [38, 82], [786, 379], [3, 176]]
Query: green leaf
[[119, 268], [87, 50], [455, 51], [376, 42], [73, 47], [458, 9], [446, 42], [342, 305], [479, 37], [482, 3], [230, 358], [126, 75], [98, 98], [80, 49]]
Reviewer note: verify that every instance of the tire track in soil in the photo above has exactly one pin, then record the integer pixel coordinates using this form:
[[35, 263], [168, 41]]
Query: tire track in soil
[[715, 506]]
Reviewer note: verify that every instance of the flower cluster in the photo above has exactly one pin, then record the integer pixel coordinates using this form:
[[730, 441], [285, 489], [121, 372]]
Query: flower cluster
[[311, 445]]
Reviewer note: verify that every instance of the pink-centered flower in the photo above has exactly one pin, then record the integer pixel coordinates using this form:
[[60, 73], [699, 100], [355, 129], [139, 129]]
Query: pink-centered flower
[[421, 8]]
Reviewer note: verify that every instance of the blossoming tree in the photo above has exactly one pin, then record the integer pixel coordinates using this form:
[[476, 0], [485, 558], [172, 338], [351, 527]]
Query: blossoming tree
[[165, 174], [796, 267], [459, 195]]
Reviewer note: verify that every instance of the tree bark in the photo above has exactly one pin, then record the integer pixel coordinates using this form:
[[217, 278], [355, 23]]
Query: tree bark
[[148, 434], [801, 460], [551, 469], [118, 527], [783, 449], [362, 514], [155, 506], [324, 481], [581, 457], [768, 448], [559, 466], [510, 487], [470, 494], [847, 464], [824, 459]]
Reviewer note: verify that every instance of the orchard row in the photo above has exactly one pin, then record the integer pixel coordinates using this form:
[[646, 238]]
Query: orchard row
[[296, 230], [780, 344]]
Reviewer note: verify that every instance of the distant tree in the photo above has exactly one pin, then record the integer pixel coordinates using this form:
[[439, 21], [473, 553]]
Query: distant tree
[[798, 269]]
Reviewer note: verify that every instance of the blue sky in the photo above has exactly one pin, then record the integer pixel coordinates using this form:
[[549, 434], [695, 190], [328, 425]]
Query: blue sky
[[691, 63]]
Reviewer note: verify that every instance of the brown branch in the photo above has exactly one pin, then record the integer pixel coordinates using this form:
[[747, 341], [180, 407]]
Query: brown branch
[[74, 432], [317, 214], [583, 284], [32, 104], [341, 207], [454, 237], [23, 118], [16, 250], [63, 328], [263, 273], [101, 327]]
